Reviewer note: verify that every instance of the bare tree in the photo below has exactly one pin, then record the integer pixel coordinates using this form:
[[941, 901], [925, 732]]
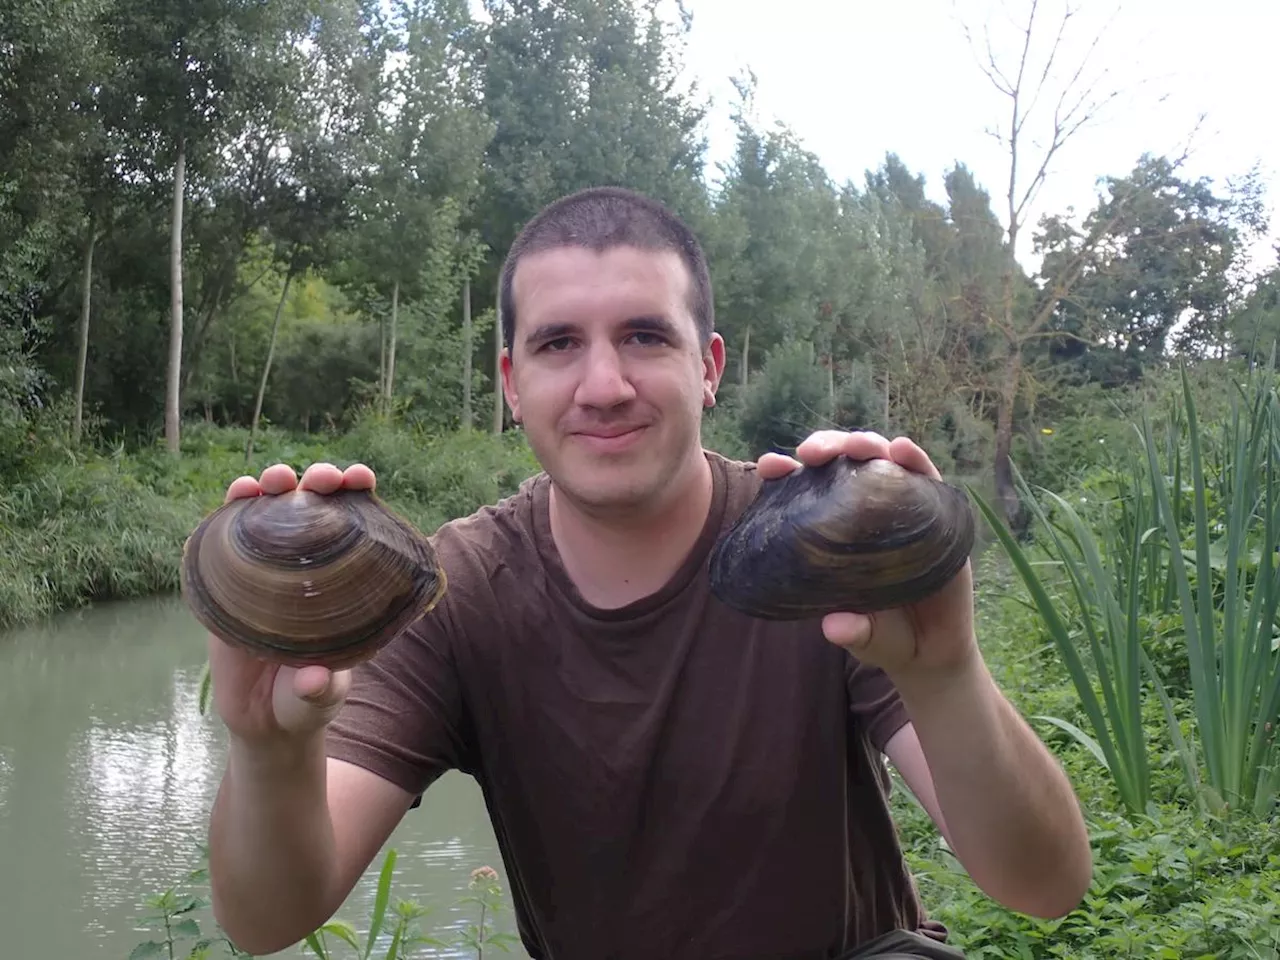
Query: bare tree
[[1076, 102]]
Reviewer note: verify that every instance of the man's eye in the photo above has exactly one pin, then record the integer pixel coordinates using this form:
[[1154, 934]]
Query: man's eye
[[647, 339], [557, 344]]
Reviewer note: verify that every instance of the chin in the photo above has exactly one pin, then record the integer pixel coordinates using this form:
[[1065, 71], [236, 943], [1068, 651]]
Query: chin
[[621, 490], [620, 485]]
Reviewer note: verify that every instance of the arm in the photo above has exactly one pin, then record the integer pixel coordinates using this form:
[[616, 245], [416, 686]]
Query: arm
[[289, 836], [293, 827], [991, 786], [994, 790]]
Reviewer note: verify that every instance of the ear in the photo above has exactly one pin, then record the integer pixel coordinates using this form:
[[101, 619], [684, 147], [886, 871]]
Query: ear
[[712, 369], [509, 385]]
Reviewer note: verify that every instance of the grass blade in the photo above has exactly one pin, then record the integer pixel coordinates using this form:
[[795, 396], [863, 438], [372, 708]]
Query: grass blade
[[380, 900], [1126, 786]]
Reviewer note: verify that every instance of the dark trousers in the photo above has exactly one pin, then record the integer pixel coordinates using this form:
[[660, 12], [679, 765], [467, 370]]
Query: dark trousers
[[903, 945]]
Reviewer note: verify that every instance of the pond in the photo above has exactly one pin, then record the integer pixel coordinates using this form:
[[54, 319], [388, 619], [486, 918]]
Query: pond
[[107, 774]]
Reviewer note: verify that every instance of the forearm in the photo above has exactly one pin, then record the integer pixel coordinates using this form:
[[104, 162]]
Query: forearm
[[1011, 815], [272, 857]]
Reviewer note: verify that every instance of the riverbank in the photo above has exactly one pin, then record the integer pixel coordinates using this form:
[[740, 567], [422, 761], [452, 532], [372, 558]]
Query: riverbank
[[90, 527], [1171, 883]]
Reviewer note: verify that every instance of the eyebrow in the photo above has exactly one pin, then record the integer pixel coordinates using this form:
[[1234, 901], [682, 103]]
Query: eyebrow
[[649, 323], [549, 331], [653, 324]]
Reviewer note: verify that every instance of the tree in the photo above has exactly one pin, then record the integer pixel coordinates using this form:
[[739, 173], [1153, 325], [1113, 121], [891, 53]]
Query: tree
[[1158, 279], [770, 251], [1255, 324], [189, 75], [1078, 102], [323, 134], [424, 171]]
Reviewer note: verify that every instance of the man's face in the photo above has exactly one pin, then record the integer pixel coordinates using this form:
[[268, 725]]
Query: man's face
[[606, 373]]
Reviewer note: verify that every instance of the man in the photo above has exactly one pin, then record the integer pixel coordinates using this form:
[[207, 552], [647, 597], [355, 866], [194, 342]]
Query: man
[[666, 777]]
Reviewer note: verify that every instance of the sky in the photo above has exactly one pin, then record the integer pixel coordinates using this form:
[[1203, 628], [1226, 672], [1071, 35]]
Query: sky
[[856, 79]]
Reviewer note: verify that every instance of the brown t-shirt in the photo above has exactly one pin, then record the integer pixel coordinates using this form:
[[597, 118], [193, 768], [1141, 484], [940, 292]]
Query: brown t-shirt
[[666, 780]]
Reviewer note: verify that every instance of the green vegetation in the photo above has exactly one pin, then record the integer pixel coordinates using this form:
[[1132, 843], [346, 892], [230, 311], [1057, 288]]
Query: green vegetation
[[237, 233], [1145, 643], [394, 931], [90, 526], [1087, 631], [1170, 881]]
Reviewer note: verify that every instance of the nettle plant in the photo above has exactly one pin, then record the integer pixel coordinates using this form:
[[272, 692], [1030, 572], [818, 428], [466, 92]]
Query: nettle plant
[[394, 930]]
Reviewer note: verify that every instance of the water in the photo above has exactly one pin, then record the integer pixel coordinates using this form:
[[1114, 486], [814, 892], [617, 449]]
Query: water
[[107, 775]]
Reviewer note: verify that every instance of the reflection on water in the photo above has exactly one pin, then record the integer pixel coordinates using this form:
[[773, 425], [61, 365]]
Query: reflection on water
[[6, 771], [107, 773]]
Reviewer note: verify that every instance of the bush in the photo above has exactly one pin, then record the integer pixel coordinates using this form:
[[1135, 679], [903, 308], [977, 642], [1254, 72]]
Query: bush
[[86, 527]]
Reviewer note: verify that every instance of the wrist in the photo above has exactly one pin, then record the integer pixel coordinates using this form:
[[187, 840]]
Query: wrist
[[963, 674], [284, 756]]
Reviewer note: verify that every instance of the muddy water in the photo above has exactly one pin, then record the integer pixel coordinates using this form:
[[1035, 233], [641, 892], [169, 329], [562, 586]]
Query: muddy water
[[107, 773]]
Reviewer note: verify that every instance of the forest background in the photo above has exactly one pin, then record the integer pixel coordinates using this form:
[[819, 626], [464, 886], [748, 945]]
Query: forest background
[[233, 233]]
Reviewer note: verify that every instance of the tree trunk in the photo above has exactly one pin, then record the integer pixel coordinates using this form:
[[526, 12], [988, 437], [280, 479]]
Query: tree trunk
[[382, 358], [195, 345], [886, 400], [82, 360], [1006, 493], [497, 378], [466, 354], [831, 384], [391, 347], [266, 368], [746, 356], [172, 405], [1010, 384]]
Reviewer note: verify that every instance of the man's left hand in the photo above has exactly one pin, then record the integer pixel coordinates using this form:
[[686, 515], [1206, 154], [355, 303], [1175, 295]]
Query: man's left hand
[[934, 636]]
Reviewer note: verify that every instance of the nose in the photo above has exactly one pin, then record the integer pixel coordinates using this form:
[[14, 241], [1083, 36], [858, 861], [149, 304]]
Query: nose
[[604, 380]]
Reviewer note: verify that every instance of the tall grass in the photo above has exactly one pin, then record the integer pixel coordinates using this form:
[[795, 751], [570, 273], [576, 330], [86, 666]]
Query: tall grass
[[85, 527], [1189, 541], [1105, 591], [77, 533], [1228, 589]]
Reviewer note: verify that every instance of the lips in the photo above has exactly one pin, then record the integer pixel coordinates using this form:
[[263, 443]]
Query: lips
[[609, 433], [613, 439]]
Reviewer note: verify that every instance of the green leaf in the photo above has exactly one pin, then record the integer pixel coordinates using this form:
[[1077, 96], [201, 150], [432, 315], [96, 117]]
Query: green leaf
[[380, 900], [206, 688], [343, 931], [186, 927], [313, 941], [1083, 738]]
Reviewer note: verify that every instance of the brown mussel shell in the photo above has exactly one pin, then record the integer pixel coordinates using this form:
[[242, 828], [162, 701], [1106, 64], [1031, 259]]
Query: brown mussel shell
[[858, 535], [302, 578]]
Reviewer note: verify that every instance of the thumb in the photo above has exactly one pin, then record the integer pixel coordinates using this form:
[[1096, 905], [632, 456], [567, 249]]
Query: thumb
[[307, 698], [849, 630], [320, 686]]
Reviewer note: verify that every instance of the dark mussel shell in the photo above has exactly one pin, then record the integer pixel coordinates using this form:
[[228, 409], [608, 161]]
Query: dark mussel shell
[[303, 578], [858, 535]]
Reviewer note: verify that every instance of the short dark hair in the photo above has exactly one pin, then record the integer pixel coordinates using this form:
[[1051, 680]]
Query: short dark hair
[[602, 218]]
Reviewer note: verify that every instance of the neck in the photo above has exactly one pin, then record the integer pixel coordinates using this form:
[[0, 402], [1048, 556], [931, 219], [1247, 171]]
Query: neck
[[617, 559]]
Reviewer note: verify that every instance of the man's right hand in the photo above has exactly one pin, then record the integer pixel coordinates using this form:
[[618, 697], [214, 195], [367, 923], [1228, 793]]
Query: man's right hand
[[263, 704]]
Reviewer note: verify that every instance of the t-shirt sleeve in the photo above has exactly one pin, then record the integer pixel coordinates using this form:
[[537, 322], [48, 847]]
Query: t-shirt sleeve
[[874, 704], [403, 718]]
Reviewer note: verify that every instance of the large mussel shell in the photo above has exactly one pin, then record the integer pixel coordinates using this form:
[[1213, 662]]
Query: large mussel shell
[[303, 578], [858, 535]]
